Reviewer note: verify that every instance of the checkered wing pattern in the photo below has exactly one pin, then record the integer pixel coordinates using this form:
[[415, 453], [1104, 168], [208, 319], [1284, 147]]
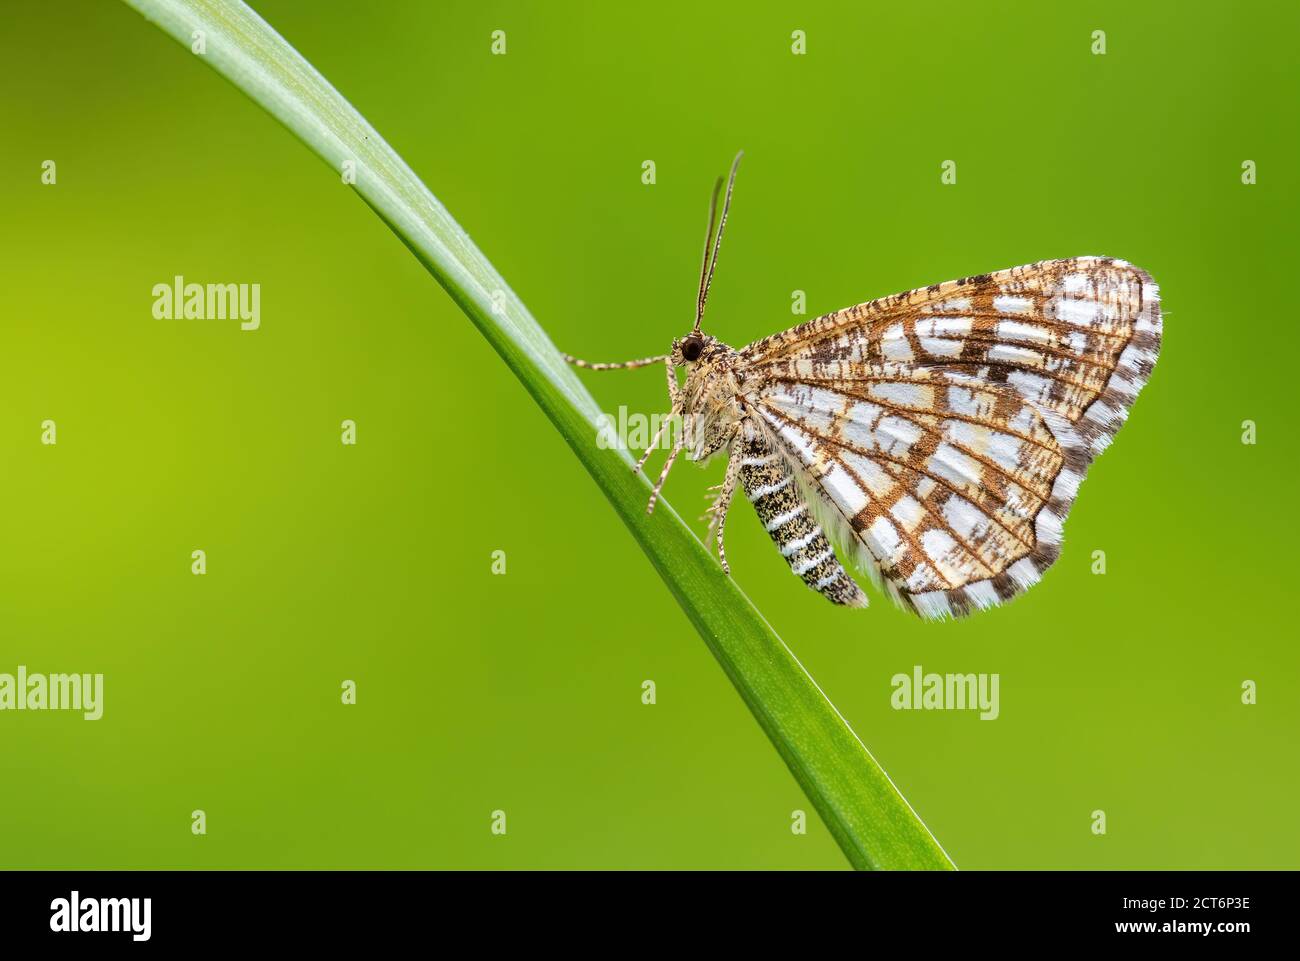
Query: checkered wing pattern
[[947, 429]]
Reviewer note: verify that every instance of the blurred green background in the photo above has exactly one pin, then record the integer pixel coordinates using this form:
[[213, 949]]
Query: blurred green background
[[522, 692]]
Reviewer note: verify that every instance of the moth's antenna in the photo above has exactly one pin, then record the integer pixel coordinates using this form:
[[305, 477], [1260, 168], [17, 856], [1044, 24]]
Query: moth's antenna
[[704, 264], [711, 263]]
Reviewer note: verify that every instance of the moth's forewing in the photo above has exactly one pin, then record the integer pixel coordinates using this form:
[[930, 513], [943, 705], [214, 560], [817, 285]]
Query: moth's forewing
[[950, 426]]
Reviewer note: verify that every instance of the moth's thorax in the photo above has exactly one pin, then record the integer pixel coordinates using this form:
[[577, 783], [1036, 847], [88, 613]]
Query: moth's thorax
[[711, 396]]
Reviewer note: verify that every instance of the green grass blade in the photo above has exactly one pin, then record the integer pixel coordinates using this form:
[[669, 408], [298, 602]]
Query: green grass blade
[[859, 804]]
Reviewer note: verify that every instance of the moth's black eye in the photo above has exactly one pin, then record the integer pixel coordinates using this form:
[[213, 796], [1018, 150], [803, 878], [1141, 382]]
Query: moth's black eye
[[692, 349]]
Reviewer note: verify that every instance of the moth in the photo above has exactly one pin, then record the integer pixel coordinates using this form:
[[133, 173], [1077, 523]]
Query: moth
[[938, 436]]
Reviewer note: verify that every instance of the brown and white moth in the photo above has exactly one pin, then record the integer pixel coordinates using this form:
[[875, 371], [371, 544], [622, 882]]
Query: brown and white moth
[[940, 435]]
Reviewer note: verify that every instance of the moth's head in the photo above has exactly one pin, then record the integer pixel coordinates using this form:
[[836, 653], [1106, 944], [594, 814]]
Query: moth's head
[[695, 347]]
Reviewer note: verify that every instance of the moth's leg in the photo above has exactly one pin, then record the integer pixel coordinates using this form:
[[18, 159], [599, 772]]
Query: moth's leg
[[623, 365], [663, 426], [678, 409], [663, 474], [674, 392], [710, 494], [718, 522]]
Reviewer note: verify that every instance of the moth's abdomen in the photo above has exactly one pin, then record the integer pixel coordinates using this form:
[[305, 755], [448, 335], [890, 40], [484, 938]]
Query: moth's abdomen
[[771, 487]]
